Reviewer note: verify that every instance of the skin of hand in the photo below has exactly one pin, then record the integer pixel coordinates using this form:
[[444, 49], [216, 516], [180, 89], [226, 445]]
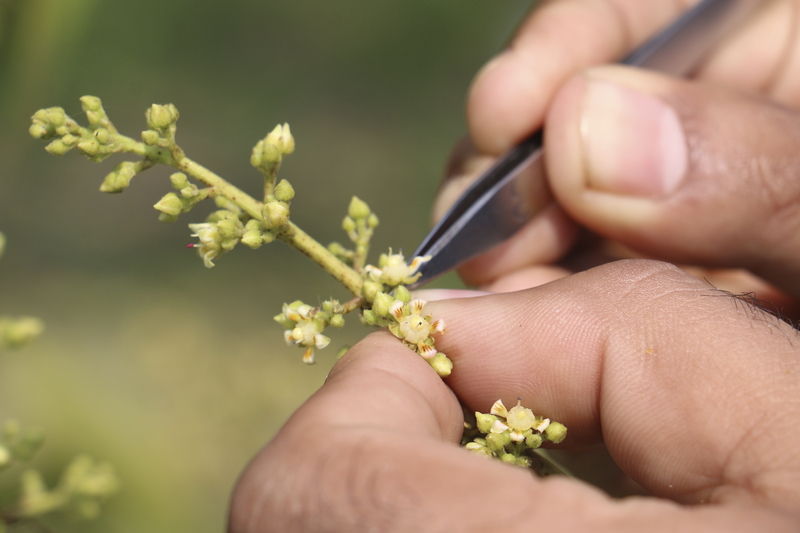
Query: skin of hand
[[694, 392], [701, 172]]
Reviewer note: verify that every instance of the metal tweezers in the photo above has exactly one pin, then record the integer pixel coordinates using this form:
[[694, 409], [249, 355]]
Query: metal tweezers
[[514, 189]]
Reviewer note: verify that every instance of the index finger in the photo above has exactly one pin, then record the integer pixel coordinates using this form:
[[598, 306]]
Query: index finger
[[694, 392], [510, 95]]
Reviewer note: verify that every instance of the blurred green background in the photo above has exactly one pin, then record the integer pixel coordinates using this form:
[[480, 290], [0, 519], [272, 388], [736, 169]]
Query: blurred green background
[[174, 373]]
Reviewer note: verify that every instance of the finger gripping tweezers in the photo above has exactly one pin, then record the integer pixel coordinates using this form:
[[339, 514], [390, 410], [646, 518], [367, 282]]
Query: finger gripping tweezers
[[514, 189]]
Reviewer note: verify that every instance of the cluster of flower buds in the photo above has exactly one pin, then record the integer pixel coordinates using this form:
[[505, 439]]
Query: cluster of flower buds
[[268, 152], [162, 123], [276, 207], [511, 435], [218, 234], [187, 196], [406, 319], [392, 270], [83, 485], [96, 142], [304, 325]]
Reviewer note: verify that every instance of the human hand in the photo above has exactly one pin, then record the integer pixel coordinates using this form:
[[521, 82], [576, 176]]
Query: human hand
[[701, 172], [695, 394]]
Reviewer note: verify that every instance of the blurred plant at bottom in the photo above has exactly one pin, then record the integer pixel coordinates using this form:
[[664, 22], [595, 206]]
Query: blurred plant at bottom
[[83, 484]]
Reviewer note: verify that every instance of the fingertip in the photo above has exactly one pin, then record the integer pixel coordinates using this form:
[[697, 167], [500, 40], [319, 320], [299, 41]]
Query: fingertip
[[505, 102]]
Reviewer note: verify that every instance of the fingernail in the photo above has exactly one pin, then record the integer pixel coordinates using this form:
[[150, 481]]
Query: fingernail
[[633, 142], [433, 295]]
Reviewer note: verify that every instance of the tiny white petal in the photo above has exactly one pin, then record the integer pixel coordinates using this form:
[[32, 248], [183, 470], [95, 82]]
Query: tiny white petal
[[396, 309], [321, 341], [304, 310], [517, 436], [498, 409], [417, 262], [541, 425], [427, 352], [498, 427], [416, 306]]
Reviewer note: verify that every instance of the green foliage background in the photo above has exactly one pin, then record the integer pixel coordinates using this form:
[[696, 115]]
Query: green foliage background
[[174, 373]]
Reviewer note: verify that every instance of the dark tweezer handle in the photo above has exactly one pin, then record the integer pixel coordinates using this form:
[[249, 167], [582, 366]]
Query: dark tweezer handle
[[514, 189]]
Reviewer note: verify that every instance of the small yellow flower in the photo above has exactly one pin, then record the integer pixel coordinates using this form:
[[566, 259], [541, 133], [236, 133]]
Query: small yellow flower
[[306, 331], [393, 269], [210, 242], [520, 418]]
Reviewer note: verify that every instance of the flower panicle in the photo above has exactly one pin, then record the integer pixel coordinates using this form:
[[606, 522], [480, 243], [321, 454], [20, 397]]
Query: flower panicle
[[513, 435], [304, 325]]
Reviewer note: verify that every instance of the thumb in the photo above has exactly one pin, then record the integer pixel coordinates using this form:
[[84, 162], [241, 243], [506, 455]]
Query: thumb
[[678, 170]]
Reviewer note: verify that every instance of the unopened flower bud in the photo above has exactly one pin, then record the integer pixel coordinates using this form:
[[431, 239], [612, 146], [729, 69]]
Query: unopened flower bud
[[403, 294], [556, 432], [348, 224], [170, 205], [119, 178], [281, 138], [369, 317], [57, 147], [497, 441], [441, 364], [370, 290], [56, 116], [95, 117], [39, 130], [358, 209], [382, 303], [91, 103], [102, 135], [484, 422], [150, 137], [69, 139], [270, 155], [533, 441], [179, 180], [284, 191], [252, 239], [190, 191], [337, 321], [160, 117], [276, 214], [89, 147], [372, 220]]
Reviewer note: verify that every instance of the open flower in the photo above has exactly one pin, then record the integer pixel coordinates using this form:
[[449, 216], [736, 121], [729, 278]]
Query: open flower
[[392, 269], [303, 329], [210, 246], [412, 326]]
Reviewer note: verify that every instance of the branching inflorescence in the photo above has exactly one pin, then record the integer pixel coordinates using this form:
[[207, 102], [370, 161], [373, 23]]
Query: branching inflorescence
[[379, 292]]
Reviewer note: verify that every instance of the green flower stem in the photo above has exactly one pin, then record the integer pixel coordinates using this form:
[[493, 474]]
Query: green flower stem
[[221, 187], [352, 305], [303, 242], [292, 235]]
